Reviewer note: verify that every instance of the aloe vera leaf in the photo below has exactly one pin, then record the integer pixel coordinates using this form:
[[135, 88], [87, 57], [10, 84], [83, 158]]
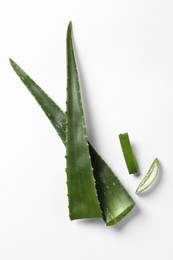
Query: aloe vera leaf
[[128, 153], [52, 111], [150, 177], [115, 201], [82, 194]]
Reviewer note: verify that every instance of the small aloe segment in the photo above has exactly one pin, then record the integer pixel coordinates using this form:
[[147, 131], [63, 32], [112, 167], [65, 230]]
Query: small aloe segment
[[82, 195], [150, 177], [115, 201], [128, 153]]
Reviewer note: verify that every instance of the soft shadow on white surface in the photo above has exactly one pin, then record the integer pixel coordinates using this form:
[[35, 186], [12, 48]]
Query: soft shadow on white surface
[[91, 222], [135, 211], [154, 185], [118, 227], [134, 148]]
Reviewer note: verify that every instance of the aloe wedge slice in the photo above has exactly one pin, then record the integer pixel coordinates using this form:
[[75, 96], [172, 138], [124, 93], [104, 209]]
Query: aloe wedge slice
[[128, 153], [115, 202], [82, 194], [150, 177]]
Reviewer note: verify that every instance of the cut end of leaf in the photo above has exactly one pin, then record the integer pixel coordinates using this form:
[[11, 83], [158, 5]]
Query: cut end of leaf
[[120, 216]]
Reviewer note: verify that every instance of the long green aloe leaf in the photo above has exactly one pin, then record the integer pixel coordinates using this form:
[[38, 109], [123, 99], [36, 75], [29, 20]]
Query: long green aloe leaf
[[82, 194], [115, 202]]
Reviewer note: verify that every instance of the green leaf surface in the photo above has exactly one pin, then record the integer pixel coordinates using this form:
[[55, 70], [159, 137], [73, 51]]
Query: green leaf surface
[[82, 194], [128, 153], [53, 112], [150, 177], [115, 201]]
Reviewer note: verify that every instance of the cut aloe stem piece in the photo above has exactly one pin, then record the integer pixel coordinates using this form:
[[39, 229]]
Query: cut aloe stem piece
[[115, 201], [82, 194], [150, 177], [128, 153]]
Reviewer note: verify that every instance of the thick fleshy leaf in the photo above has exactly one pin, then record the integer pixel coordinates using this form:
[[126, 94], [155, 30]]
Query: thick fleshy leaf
[[82, 193], [115, 201]]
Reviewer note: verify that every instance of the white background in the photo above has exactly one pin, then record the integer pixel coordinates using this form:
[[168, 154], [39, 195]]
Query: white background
[[125, 59]]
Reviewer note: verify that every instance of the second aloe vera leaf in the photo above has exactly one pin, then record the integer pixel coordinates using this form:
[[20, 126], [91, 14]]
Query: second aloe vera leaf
[[150, 177], [82, 194], [52, 111], [112, 195], [115, 202], [128, 153]]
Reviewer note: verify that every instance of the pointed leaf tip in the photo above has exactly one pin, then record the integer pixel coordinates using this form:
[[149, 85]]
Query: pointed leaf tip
[[69, 27], [13, 64], [10, 60]]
